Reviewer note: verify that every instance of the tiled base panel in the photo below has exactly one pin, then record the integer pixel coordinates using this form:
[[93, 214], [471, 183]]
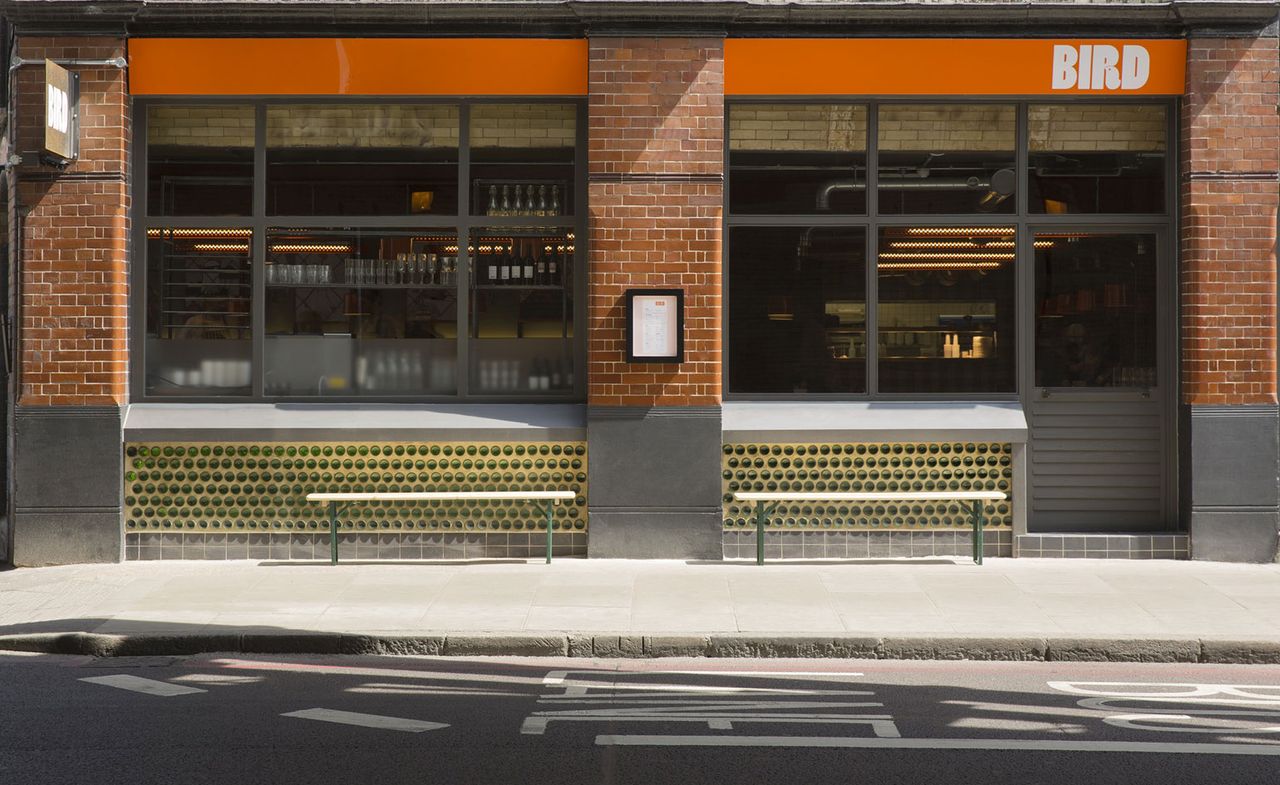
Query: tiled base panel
[[352, 546], [208, 500], [740, 544], [1105, 546]]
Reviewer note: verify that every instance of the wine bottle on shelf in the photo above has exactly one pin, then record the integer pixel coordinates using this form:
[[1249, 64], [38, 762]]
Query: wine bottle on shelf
[[553, 277], [542, 201], [531, 201], [506, 200], [491, 267], [554, 208], [540, 272], [526, 276], [504, 268], [493, 201]]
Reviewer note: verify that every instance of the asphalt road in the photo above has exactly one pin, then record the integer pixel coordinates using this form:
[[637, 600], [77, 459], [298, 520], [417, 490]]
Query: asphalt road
[[389, 720]]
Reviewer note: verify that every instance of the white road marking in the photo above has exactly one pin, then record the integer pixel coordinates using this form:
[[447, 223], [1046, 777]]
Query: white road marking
[[1201, 723], [558, 677], [1000, 745], [1182, 691], [217, 678], [384, 673], [124, 681], [21, 654], [366, 720]]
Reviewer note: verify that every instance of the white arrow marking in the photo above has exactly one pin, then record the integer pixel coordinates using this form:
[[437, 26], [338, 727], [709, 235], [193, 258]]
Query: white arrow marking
[[842, 742], [146, 686], [366, 720]]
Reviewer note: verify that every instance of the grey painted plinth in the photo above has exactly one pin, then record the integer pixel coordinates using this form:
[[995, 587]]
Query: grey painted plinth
[[1235, 462], [654, 476], [66, 486]]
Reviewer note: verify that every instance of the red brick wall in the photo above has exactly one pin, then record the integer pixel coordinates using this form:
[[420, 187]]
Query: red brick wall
[[72, 270], [656, 164], [1230, 194]]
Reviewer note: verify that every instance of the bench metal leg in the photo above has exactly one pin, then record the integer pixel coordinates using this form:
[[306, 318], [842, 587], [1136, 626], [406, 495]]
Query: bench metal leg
[[978, 517], [762, 518], [551, 517], [333, 533]]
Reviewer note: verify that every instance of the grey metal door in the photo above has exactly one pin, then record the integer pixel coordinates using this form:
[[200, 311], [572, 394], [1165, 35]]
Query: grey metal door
[[1099, 380]]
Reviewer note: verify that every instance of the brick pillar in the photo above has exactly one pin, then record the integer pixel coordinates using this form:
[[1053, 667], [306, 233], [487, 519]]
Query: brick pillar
[[1230, 191], [71, 227], [656, 175]]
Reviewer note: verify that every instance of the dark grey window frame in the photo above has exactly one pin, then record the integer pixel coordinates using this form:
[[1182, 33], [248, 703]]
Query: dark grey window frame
[[464, 223], [1163, 225]]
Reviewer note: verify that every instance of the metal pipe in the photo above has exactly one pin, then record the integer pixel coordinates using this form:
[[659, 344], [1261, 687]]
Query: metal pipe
[[900, 184], [117, 62]]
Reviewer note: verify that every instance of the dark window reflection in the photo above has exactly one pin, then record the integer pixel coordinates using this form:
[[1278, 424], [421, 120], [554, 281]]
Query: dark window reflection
[[200, 160], [1096, 158], [946, 158], [198, 329], [797, 318], [522, 158], [1095, 310], [947, 308], [798, 158], [334, 159]]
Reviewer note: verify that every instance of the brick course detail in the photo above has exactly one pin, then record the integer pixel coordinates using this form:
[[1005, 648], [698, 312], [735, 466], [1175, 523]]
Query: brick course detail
[[74, 231], [655, 166], [1230, 195]]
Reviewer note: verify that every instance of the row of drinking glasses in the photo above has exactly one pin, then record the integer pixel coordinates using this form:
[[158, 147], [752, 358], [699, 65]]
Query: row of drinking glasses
[[298, 273], [414, 269]]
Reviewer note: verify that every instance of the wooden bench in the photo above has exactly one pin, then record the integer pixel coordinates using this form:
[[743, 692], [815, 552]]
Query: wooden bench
[[977, 510], [337, 500]]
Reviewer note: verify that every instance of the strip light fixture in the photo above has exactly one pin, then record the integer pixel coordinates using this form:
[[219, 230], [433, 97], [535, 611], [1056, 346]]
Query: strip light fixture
[[221, 247], [199, 232]]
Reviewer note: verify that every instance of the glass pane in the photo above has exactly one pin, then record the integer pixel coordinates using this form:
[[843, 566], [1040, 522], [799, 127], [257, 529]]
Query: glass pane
[[947, 309], [946, 158], [522, 159], [354, 313], [200, 160], [1097, 158], [1095, 310], [522, 312], [199, 287], [361, 159], [797, 158], [797, 310]]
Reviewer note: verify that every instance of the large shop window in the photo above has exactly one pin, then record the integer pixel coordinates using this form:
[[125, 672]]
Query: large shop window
[[362, 159], [1097, 158], [946, 158], [799, 318], [363, 270], [912, 266], [1095, 309], [787, 159], [200, 160], [947, 306]]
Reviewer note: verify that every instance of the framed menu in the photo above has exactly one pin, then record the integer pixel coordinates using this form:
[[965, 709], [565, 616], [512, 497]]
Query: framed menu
[[655, 325]]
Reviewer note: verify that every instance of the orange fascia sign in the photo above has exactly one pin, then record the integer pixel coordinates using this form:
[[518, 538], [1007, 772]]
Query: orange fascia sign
[[954, 66], [357, 66]]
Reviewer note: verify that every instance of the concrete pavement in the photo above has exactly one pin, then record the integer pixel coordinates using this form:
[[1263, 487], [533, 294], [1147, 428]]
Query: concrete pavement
[[921, 608]]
